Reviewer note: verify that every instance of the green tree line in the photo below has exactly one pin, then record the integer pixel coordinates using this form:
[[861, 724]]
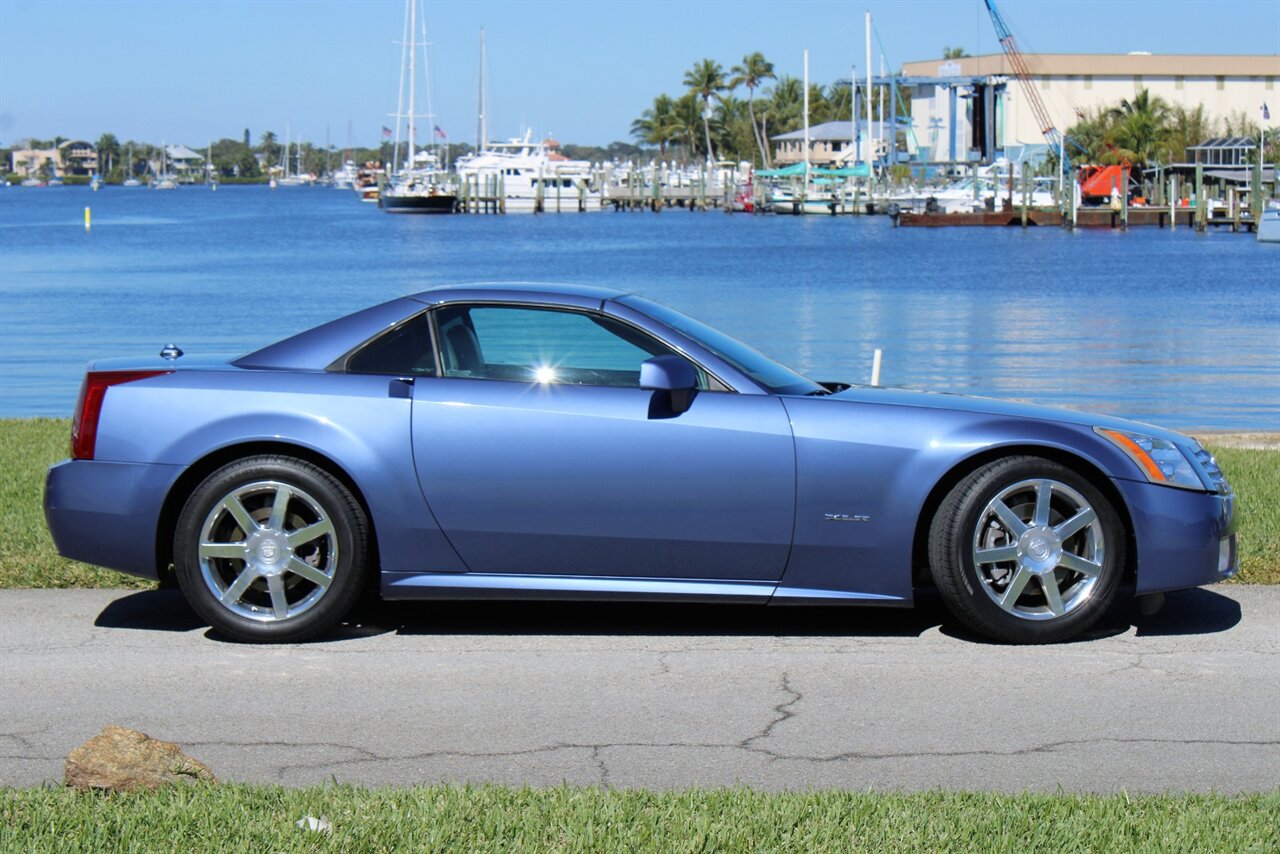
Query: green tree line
[[1147, 130], [710, 120]]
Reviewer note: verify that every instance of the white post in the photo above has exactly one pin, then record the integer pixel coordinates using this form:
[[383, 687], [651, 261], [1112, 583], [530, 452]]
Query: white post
[[871, 128], [875, 367], [806, 121]]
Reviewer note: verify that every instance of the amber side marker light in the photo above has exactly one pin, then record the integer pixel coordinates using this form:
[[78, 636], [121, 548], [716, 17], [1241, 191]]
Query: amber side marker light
[[1140, 456], [93, 391]]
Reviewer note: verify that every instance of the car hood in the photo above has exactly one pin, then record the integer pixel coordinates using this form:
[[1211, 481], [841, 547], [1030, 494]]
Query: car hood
[[1006, 408]]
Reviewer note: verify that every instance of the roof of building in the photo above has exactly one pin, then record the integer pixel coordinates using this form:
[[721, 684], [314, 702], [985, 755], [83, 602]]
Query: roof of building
[[181, 152], [828, 131], [1226, 143], [1102, 65]]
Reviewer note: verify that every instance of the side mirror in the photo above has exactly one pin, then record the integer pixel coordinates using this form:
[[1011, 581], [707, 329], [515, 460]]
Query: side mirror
[[674, 383], [667, 373]]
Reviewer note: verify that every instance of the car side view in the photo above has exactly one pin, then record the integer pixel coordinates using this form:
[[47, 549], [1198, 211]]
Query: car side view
[[566, 442]]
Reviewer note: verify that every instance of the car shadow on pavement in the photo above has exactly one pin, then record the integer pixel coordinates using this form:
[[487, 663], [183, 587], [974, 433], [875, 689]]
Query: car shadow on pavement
[[164, 610], [695, 619], [1185, 612]]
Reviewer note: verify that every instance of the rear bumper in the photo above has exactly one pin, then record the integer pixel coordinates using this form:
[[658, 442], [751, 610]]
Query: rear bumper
[[1183, 538], [106, 514]]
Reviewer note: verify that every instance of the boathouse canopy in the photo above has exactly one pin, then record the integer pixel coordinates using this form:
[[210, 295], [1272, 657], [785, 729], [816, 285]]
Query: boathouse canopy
[[1224, 151]]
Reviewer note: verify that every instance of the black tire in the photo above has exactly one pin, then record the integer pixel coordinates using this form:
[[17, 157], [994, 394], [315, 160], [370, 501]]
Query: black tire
[[999, 579], [296, 574]]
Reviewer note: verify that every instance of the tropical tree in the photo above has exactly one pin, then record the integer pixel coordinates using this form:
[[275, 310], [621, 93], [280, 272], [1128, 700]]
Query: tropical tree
[[108, 151], [269, 148], [1186, 127], [786, 104], [1139, 132], [753, 72], [658, 125], [731, 120], [705, 80], [954, 53], [686, 119]]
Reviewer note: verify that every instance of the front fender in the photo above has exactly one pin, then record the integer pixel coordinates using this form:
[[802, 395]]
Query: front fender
[[872, 467]]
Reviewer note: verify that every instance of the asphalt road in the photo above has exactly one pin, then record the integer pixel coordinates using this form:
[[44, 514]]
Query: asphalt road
[[657, 696]]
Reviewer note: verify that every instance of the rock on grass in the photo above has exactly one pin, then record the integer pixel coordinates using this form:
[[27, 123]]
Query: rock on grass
[[119, 759]]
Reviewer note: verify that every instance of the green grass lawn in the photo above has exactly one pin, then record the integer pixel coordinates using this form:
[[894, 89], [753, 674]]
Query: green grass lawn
[[27, 557], [495, 818]]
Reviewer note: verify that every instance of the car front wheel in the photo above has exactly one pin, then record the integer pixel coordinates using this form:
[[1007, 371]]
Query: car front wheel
[[271, 549], [1025, 550]]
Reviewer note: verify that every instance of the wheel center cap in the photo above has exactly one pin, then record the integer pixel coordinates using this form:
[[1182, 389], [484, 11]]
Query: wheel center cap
[[269, 552], [1039, 549]]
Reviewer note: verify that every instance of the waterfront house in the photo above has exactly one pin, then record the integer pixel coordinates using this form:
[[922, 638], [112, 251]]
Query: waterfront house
[[73, 157], [831, 144]]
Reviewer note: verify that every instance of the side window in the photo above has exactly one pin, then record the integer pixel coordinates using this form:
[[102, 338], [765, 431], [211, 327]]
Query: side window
[[543, 345], [404, 350]]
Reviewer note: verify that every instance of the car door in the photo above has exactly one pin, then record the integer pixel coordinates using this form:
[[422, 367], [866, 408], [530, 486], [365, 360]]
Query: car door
[[539, 454]]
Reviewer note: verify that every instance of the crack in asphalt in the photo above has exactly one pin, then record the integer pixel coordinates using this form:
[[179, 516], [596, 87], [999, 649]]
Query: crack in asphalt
[[599, 760], [782, 712]]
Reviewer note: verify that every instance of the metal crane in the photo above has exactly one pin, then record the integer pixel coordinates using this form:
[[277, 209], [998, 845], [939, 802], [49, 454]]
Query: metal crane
[[1051, 134]]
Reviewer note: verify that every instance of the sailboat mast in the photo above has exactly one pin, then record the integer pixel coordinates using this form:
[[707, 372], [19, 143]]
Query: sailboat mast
[[871, 125], [406, 34], [413, 54], [806, 117], [482, 129]]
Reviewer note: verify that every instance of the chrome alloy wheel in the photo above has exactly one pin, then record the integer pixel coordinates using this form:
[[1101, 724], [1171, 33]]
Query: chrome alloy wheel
[[1038, 549], [268, 551]]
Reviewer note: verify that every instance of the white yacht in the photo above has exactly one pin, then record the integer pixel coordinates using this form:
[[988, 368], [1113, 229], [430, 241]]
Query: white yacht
[[531, 176]]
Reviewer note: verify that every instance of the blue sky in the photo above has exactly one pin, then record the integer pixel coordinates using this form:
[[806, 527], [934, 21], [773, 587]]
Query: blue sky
[[194, 70]]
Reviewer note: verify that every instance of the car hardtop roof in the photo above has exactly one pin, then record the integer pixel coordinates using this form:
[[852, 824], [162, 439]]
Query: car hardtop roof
[[521, 291]]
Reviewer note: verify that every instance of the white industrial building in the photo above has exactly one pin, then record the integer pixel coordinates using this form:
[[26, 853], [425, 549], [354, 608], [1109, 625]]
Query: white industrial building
[[961, 108]]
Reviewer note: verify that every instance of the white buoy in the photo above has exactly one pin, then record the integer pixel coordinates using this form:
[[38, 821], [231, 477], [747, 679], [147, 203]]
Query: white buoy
[[86, 219], [875, 367]]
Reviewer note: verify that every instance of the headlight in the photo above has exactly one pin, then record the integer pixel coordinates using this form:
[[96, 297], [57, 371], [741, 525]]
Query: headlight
[[1161, 460]]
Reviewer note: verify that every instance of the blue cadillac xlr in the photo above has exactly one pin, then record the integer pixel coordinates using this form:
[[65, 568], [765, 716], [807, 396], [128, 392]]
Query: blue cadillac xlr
[[563, 442]]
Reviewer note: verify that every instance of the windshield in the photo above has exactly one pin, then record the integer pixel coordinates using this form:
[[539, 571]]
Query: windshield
[[776, 378]]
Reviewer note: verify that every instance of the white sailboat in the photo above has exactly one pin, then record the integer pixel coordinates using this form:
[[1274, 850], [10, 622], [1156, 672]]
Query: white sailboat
[[164, 180], [420, 185]]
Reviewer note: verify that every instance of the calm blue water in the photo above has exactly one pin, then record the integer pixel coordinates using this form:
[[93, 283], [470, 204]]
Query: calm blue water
[[1179, 329]]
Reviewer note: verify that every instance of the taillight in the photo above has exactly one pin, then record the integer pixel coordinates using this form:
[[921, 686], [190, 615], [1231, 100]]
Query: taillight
[[84, 424]]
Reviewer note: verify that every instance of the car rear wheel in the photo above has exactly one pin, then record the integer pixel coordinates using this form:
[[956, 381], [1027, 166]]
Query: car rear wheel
[[271, 549], [1025, 550]]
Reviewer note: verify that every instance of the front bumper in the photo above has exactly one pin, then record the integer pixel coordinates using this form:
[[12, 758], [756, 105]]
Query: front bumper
[[1183, 538], [106, 514]]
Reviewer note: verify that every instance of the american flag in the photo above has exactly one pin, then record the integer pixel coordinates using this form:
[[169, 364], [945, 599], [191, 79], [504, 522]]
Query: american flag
[[1266, 114], [386, 132], [440, 133]]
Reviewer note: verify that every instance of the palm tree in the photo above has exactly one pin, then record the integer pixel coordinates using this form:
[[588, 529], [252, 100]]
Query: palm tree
[[658, 124], [1139, 130], [786, 104], [954, 53], [753, 71], [685, 120], [729, 126], [109, 150], [1187, 127], [705, 80]]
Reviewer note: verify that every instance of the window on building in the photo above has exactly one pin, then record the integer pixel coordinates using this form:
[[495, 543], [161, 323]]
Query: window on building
[[1137, 82], [1179, 83], [1271, 83], [1088, 81], [1222, 82], [1044, 82]]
